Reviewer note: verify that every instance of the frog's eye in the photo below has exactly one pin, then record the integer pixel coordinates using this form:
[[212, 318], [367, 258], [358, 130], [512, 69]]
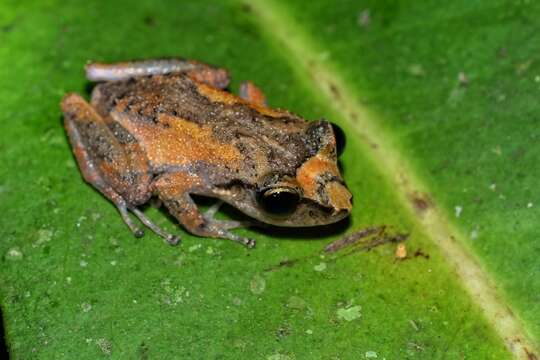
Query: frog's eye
[[279, 200], [340, 139]]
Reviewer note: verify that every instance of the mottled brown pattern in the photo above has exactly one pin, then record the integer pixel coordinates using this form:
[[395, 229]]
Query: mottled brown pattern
[[177, 134]]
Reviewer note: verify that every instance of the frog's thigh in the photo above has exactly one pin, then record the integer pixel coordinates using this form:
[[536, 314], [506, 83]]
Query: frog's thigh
[[174, 190], [105, 161]]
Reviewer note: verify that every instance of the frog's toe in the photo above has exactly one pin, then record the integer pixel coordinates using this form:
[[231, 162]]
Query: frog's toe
[[170, 238], [173, 239], [250, 243]]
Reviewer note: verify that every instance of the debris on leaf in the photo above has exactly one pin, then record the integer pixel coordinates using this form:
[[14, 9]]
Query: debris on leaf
[[416, 70], [364, 18], [105, 346], [401, 251], [349, 314], [366, 239], [351, 239], [257, 284], [320, 267], [463, 79], [14, 254], [296, 302], [371, 355]]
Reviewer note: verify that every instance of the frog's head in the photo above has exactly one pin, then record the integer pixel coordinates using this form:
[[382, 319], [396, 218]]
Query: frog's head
[[314, 195]]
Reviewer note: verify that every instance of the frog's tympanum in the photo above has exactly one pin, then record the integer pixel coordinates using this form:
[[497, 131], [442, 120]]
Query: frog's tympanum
[[168, 128]]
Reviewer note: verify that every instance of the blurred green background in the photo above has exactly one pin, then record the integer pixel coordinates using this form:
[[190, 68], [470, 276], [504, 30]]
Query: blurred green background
[[451, 88]]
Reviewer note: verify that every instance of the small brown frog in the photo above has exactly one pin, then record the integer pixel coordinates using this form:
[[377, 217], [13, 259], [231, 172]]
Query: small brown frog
[[168, 128]]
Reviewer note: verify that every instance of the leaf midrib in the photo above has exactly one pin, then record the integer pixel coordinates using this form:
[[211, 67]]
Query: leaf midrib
[[397, 170]]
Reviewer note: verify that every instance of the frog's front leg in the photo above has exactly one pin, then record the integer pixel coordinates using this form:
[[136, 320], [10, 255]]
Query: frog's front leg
[[174, 190], [216, 77]]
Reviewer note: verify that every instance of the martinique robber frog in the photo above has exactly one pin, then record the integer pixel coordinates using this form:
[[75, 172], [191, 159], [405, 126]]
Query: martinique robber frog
[[168, 128]]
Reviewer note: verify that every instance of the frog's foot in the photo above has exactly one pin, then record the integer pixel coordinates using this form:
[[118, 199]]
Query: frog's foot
[[170, 238], [252, 94], [210, 75], [171, 188]]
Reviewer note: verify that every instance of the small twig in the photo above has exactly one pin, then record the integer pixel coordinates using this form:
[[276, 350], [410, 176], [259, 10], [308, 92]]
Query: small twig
[[353, 238]]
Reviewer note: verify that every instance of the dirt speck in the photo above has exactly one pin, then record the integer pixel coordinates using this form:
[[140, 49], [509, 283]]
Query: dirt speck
[[371, 354], [296, 303], [334, 90], [497, 150], [44, 236], [401, 251], [105, 346], [14, 254], [414, 325], [173, 294], [522, 67], [463, 79], [349, 314], [421, 202], [364, 18], [195, 247], [420, 253], [257, 284], [416, 70]]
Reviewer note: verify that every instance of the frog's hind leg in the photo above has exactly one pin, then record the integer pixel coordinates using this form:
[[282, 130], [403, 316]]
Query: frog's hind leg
[[216, 77], [87, 131]]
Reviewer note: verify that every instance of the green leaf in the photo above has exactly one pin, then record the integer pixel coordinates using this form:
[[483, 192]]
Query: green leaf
[[438, 104]]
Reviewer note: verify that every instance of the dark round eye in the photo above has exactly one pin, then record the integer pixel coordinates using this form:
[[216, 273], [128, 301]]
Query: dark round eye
[[279, 200], [340, 139]]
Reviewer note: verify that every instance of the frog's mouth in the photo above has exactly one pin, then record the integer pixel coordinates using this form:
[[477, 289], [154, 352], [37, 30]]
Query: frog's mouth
[[307, 212]]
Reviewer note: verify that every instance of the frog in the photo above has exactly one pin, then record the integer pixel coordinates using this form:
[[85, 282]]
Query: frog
[[170, 129]]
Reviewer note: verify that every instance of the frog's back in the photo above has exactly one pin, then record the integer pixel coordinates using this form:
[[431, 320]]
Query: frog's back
[[181, 121]]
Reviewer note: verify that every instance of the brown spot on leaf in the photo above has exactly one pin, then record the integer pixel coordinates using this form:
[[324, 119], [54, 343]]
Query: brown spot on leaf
[[421, 202]]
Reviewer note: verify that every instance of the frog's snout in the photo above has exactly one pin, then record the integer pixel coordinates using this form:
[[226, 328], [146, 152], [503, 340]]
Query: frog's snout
[[339, 197]]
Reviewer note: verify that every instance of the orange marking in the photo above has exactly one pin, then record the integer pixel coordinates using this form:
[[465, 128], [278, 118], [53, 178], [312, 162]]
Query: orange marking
[[253, 94], [176, 141], [339, 196], [306, 174], [224, 97]]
